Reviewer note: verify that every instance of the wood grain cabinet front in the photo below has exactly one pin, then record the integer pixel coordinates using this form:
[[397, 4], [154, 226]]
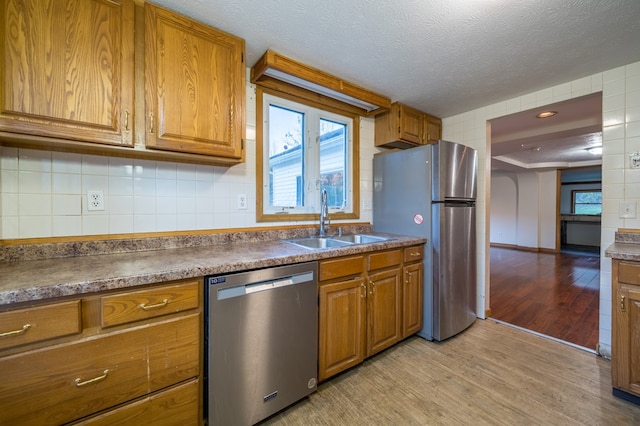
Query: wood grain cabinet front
[[132, 306], [68, 70], [625, 344], [406, 127], [28, 325], [384, 301], [113, 365], [362, 307], [195, 86], [412, 275]]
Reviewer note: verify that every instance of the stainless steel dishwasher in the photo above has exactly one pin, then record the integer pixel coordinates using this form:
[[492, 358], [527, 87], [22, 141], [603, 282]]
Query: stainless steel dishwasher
[[261, 340]]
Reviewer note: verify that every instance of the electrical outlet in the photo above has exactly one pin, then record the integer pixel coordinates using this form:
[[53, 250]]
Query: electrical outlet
[[627, 210], [242, 201], [95, 201]]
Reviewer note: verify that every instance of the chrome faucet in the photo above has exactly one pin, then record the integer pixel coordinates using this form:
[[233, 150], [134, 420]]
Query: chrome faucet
[[324, 213]]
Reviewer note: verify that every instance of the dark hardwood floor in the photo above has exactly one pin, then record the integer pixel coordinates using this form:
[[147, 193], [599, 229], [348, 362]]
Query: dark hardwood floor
[[555, 294]]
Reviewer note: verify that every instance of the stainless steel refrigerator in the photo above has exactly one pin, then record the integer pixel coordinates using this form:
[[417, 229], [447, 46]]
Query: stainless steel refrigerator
[[430, 191]]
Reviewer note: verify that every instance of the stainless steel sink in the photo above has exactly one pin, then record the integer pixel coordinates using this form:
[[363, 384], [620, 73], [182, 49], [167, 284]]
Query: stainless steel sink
[[316, 243], [360, 238]]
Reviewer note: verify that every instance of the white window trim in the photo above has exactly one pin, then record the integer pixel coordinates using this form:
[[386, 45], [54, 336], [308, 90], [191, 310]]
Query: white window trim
[[311, 141]]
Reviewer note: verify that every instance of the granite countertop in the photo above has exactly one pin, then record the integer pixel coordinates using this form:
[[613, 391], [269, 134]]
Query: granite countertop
[[46, 272], [626, 246]]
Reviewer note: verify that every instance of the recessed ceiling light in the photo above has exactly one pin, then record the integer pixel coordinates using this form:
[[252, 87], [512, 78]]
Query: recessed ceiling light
[[546, 114]]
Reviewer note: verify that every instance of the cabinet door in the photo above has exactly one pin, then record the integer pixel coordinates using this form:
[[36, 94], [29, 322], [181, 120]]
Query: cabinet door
[[432, 129], [195, 86], [341, 326], [412, 299], [384, 310], [68, 69], [410, 122], [626, 345]]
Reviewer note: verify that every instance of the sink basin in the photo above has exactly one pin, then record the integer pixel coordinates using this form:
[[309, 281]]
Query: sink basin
[[360, 238], [318, 243], [335, 242]]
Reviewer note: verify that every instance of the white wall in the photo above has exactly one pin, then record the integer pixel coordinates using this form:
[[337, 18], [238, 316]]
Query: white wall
[[528, 207], [621, 136], [504, 209], [523, 209], [547, 191], [42, 193]]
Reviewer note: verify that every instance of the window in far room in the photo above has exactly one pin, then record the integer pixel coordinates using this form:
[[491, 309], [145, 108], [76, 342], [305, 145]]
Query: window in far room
[[587, 201]]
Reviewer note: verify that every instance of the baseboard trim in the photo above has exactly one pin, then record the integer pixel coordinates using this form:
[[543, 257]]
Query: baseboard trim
[[626, 396]]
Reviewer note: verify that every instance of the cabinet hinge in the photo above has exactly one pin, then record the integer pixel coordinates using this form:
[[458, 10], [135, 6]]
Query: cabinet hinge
[[241, 143], [242, 57]]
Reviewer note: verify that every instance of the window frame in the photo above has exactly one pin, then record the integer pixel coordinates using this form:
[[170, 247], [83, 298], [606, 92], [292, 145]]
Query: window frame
[[574, 192], [263, 215]]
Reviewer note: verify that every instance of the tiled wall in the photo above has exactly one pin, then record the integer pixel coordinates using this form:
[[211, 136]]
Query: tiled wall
[[621, 136], [43, 194]]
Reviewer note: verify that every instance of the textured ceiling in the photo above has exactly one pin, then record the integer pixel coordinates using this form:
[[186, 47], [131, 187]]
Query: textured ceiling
[[446, 57], [441, 56]]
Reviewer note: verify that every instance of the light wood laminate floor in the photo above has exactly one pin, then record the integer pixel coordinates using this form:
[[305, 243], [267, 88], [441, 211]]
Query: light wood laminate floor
[[491, 374]]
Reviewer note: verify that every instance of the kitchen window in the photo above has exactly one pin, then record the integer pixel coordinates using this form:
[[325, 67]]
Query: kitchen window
[[587, 201], [304, 147]]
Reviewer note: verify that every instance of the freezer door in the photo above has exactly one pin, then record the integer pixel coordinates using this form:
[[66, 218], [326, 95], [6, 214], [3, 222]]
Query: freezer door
[[454, 171], [454, 268]]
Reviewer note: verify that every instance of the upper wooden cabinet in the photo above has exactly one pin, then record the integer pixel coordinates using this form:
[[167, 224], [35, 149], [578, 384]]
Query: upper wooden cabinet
[[432, 129], [404, 127], [67, 69], [195, 86]]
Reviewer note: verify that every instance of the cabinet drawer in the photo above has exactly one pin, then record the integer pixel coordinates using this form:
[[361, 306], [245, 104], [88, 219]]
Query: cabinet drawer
[[412, 254], [66, 382], [629, 273], [341, 267], [39, 323], [385, 259], [132, 306], [175, 406]]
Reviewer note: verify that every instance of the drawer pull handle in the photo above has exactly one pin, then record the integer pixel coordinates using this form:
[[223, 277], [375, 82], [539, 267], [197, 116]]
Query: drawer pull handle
[[80, 383], [415, 254], [16, 332], [622, 308], [162, 304], [151, 121]]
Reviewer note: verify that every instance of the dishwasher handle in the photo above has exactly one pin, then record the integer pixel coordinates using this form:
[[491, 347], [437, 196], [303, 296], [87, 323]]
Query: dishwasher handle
[[246, 289]]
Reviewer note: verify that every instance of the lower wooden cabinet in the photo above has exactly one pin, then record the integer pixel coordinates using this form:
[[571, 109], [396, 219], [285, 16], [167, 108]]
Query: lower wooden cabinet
[[413, 275], [174, 406], [625, 343], [384, 301], [342, 326], [363, 307], [132, 369]]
